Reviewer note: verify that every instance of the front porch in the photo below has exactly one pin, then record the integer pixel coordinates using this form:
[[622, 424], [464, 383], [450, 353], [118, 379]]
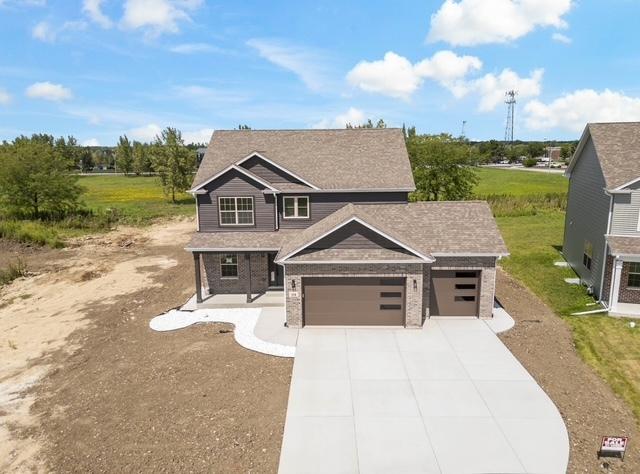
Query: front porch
[[269, 298]]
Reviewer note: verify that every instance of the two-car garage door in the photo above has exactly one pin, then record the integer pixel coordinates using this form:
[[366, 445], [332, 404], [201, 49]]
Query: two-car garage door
[[354, 301]]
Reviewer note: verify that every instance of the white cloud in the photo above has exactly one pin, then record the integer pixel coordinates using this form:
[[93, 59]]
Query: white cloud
[[93, 9], [91, 142], [473, 22], [5, 97], [574, 110], [43, 31], [48, 91], [194, 48], [157, 16], [207, 96], [352, 116], [491, 87], [560, 38], [395, 76], [197, 136], [146, 133], [302, 62]]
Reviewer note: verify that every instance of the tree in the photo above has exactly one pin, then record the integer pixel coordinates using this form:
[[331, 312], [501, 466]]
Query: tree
[[369, 124], [244, 127], [173, 162], [86, 160], [124, 155], [493, 150], [530, 162], [442, 167], [34, 179], [141, 162], [535, 149], [566, 151]]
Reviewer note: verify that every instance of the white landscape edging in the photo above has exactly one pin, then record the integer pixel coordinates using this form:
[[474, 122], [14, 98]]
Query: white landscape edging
[[244, 320]]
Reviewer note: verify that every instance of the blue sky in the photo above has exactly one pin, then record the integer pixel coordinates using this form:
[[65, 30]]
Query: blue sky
[[97, 69]]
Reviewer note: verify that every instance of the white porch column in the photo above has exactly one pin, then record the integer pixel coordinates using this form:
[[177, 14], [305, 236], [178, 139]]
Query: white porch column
[[615, 285]]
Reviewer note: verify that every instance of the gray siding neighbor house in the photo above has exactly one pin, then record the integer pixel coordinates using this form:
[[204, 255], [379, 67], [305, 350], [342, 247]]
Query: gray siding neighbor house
[[602, 224], [323, 218]]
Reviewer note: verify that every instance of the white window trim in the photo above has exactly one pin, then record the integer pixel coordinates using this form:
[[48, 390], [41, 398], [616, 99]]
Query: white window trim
[[235, 198], [295, 207], [638, 226], [237, 267]]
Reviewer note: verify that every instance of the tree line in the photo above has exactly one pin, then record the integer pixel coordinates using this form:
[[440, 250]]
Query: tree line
[[38, 174]]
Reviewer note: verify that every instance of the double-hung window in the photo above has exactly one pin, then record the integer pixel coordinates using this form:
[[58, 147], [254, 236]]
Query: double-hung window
[[236, 210], [587, 255], [229, 265], [633, 280], [296, 207]]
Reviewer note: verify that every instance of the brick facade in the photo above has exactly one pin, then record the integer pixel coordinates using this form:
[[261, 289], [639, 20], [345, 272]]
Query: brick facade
[[627, 294], [417, 302], [412, 271], [218, 285]]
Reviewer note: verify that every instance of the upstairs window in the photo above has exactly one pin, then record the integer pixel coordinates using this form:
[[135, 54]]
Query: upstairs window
[[236, 210], [296, 207], [633, 280], [587, 255], [229, 266]]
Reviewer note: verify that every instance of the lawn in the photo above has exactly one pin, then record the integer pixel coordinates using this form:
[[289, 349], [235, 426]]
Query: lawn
[[609, 345], [138, 199], [518, 183]]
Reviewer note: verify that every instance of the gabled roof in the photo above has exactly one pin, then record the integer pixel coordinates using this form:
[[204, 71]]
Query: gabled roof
[[239, 169], [426, 229], [346, 159], [623, 245], [617, 147]]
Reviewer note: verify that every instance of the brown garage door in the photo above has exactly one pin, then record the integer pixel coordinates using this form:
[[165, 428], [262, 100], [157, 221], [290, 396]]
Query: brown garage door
[[454, 293], [353, 301]]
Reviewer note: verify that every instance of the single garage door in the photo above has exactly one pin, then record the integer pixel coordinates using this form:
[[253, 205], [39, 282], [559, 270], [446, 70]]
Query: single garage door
[[454, 293], [353, 301]]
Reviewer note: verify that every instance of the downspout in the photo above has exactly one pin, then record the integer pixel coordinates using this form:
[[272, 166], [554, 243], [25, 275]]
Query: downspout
[[275, 200], [604, 263]]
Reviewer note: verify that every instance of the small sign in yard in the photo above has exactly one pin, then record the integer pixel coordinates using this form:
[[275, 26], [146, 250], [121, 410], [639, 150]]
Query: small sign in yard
[[613, 446]]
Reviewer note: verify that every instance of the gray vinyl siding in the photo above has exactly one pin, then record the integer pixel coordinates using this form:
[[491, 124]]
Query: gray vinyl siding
[[268, 172], [587, 217], [354, 236], [323, 204], [624, 218], [235, 184]]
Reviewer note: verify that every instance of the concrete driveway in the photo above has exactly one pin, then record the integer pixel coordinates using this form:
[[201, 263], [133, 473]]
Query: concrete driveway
[[448, 398]]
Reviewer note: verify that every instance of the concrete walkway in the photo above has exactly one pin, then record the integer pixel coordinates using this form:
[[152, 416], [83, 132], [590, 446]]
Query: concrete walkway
[[449, 398]]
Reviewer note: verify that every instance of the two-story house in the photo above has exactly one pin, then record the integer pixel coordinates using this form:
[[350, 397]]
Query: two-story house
[[602, 225], [324, 216]]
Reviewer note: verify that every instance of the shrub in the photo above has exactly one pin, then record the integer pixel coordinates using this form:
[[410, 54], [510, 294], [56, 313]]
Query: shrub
[[530, 162], [15, 270]]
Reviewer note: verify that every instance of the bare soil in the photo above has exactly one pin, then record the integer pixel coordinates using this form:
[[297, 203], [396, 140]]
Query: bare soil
[[543, 343], [88, 387]]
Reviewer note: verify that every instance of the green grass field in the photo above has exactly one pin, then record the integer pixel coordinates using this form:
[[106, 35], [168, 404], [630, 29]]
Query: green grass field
[[518, 183], [609, 345], [138, 199]]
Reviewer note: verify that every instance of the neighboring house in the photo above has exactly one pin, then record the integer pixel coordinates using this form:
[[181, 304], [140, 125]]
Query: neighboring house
[[323, 215], [602, 224]]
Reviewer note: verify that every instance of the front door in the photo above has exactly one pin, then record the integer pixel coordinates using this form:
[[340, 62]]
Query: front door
[[276, 277]]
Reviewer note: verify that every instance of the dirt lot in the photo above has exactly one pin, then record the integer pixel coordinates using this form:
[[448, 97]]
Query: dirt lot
[[543, 344], [85, 386]]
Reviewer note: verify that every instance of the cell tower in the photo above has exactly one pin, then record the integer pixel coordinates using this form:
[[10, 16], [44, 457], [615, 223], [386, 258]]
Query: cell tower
[[510, 100]]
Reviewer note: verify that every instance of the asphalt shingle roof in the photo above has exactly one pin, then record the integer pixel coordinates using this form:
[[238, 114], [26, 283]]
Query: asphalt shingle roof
[[430, 228], [618, 149], [623, 245], [328, 159]]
